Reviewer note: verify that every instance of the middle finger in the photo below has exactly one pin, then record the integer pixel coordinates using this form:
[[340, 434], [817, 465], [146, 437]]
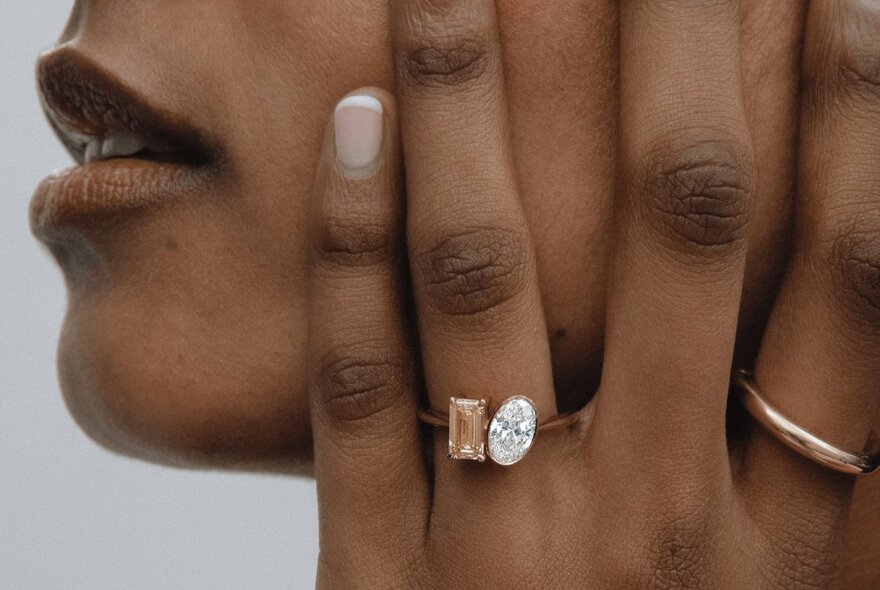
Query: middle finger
[[481, 323], [687, 196]]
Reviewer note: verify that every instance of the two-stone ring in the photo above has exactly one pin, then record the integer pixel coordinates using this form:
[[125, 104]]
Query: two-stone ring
[[506, 437]]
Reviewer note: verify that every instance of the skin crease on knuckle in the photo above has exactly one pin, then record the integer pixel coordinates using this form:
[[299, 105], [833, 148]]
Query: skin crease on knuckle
[[700, 197], [860, 59], [353, 244], [854, 260], [445, 48], [357, 385], [184, 341], [473, 272], [357, 228]]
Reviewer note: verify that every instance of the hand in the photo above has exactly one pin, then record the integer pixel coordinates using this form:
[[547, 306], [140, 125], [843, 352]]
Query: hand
[[563, 107], [651, 493]]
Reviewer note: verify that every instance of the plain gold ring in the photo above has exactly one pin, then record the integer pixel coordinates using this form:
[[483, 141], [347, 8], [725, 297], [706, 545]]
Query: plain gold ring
[[801, 440]]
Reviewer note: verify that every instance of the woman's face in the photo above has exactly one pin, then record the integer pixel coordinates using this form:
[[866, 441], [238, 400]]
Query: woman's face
[[186, 332]]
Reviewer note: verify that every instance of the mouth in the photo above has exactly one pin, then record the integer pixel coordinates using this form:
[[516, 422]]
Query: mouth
[[130, 153]]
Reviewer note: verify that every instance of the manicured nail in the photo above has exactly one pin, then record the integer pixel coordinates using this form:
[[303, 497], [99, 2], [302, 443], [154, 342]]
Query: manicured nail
[[358, 124]]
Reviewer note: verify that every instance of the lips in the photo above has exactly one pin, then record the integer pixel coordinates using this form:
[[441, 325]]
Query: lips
[[131, 154]]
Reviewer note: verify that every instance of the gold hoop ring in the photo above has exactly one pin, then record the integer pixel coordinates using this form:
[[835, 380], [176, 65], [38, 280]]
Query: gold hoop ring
[[800, 440]]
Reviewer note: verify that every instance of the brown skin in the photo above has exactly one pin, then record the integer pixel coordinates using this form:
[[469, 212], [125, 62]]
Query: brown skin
[[676, 505], [191, 349]]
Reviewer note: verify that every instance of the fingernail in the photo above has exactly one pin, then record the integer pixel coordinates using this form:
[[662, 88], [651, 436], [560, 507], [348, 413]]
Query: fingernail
[[358, 124]]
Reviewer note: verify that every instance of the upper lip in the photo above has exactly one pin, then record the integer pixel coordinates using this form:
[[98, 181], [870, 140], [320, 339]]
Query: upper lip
[[86, 103], [152, 155]]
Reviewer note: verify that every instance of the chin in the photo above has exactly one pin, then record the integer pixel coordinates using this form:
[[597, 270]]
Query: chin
[[156, 384], [184, 341]]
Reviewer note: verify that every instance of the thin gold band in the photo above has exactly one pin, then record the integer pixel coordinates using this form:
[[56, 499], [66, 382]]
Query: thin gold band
[[800, 440]]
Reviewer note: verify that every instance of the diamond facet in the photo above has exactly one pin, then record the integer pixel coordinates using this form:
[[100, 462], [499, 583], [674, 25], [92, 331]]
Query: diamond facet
[[512, 430], [467, 422]]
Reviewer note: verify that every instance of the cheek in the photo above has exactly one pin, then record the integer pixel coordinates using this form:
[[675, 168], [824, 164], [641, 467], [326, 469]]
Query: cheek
[[186, 331], [190, 347]]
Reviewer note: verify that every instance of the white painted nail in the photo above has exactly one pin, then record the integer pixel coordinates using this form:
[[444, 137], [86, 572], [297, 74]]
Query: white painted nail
[[358, 124]]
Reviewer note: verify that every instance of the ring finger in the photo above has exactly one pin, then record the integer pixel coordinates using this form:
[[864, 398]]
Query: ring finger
[[481, 323], [686, 202], [818, 364]]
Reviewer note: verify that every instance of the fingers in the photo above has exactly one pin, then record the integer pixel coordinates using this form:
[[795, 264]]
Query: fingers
[[562, 102], [819, 364], [472, 262], [372, 486], [687, 186], [772, 36], [481, 325]]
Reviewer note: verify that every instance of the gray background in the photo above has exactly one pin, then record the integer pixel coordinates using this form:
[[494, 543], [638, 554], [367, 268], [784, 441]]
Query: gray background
[[73, 516]]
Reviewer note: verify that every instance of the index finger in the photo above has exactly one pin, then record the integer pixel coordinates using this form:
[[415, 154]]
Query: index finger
[[369, 461]]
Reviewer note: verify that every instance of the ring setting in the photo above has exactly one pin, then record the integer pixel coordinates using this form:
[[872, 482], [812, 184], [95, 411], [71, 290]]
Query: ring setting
[[506, 437], [512, 430]]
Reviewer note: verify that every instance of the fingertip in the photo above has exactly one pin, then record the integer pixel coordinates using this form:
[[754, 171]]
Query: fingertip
[[371, 95], [356, 212], [358, 133], [363, 101], [361, 128]]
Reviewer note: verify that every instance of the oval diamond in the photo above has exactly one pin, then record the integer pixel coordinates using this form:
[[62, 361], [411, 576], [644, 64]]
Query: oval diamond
[[512, 430]]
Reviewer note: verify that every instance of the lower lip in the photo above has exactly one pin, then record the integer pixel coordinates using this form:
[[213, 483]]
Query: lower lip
[[108, 190]]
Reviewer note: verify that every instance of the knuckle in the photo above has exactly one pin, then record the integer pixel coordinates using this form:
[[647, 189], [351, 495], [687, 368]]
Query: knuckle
[[693, 6], [474, 272], [859, 62], [447, 46], [857, 257], [355, 244], [845, 60], [449, 63], [355, 385], [860, 72], [700, 197]]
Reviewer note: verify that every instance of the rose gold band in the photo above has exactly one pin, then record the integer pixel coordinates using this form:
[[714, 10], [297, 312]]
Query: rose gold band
[[800, 440]]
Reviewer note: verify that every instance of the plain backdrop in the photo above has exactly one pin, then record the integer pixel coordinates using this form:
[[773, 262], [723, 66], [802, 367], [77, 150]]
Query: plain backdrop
[[73, 516]]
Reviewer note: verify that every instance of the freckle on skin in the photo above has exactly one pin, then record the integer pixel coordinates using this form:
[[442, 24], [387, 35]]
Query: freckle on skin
[[560, 333], [171, 244]]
